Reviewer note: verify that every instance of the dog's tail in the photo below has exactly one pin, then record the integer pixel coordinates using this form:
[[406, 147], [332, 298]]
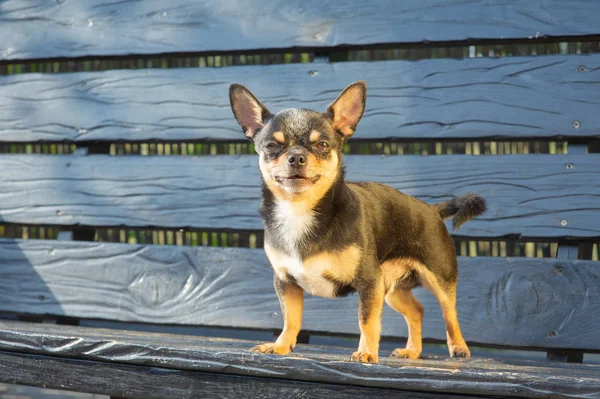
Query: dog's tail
[[463, 208]]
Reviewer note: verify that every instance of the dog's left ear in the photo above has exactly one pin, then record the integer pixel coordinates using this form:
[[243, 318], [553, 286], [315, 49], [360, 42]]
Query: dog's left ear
[[249, 112], [348, 108]]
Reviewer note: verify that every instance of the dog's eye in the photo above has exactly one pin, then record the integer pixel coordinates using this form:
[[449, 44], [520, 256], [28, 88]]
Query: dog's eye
[[322, 145], [272, 146]]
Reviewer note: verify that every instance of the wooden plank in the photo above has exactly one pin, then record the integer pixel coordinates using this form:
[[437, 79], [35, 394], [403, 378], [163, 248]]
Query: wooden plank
[[126, 381], [566, 252], [518, 302], [513, 97], [121, 28], [527, 195], [320, 364]]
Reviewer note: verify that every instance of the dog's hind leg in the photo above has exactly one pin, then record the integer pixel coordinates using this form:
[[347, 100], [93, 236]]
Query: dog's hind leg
[[404, 302], [445, 293]]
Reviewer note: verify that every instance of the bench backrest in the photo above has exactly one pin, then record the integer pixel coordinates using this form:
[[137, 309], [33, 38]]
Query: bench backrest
[[210, 196]]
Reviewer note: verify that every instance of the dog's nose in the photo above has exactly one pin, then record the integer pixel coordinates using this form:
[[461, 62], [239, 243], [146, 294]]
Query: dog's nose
[[297, 160]]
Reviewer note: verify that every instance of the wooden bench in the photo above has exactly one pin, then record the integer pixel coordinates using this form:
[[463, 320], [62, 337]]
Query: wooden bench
[[166, 309]]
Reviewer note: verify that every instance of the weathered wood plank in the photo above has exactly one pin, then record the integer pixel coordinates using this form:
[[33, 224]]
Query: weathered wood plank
[[126, 381], [38, 29], [527, 195], [519, 98], [323, 365], [518, 302]]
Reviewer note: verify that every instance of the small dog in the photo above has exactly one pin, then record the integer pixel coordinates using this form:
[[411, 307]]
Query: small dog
[[330, 237]]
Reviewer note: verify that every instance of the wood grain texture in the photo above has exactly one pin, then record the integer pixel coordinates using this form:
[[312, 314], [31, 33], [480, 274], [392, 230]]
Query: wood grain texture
[[318, 364], [92, 27], [527, 195], [126, 381], [516, 302], [513, 97]]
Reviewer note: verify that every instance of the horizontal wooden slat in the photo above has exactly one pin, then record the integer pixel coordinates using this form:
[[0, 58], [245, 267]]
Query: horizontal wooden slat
[[127, 381], [518, 98], [527, 195], [308, 363], [38, 29], [518, 302]]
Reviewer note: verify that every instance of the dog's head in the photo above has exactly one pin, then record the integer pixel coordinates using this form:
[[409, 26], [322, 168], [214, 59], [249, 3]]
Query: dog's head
[[300, 149]]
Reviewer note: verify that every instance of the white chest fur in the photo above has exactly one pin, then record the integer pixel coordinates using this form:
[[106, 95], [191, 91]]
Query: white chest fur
[[294, 223], [316, 274], [308, 275]]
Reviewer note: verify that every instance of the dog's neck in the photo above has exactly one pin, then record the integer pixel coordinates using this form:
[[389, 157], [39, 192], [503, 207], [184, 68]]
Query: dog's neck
[[295, 225]]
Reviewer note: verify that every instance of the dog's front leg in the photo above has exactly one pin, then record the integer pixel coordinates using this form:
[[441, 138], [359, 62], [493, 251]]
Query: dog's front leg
[[370, 306], [291, 299]]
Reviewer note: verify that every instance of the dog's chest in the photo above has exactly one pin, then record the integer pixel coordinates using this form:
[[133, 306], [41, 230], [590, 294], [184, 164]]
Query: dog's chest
[[293, 224], [319, 275]]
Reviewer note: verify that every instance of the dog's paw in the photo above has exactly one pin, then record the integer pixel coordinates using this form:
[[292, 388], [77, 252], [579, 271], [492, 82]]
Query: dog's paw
[[406, 353], [272, 348], [363, 357], [460, 351]]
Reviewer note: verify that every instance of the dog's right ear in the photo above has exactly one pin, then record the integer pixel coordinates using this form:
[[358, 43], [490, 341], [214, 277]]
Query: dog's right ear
[[248, 111]]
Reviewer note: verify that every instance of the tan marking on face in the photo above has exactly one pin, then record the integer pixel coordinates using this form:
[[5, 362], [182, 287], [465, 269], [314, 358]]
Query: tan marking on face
[[327, 169], [279, 137], [313, 273], [314, 136]]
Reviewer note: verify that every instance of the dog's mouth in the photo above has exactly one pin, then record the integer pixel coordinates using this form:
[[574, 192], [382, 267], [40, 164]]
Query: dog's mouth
[[296, 179]]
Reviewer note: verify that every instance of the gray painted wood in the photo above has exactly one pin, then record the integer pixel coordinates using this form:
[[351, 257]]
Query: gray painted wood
[[319, 364], [514, 97], [40, 29], [126, 381], [527, 195], [517, 302], [566, 252]]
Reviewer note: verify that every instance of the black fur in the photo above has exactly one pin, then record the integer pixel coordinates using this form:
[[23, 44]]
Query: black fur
[[463, 208]]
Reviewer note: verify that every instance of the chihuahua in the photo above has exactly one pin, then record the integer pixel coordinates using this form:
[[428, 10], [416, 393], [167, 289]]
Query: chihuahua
[[330, 237]]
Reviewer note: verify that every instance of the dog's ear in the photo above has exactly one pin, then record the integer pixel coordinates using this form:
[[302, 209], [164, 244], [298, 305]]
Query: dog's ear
[[248, 111], [348, 108]]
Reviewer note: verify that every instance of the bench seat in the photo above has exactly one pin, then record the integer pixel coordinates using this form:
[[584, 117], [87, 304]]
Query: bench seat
[[178, 365]]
